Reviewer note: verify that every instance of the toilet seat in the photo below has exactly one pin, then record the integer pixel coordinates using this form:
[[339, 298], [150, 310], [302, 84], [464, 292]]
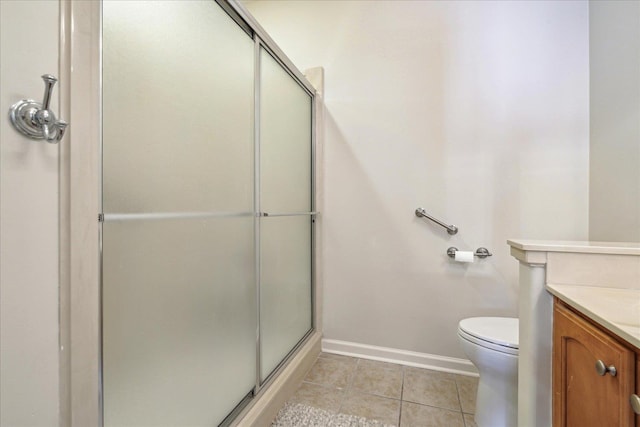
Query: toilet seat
[[495, 333]]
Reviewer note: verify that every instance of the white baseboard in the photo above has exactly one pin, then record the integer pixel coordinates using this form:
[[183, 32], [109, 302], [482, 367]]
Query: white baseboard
[[401, 357]]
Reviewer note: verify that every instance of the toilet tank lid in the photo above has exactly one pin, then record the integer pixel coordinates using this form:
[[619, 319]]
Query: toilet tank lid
[[498, 330]]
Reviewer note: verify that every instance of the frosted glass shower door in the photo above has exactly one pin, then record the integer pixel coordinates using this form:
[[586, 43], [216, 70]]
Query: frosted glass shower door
[[179, 284], [286, 198]]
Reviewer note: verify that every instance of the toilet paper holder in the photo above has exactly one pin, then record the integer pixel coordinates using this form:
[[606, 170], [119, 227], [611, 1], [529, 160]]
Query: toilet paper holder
[[481, 253]]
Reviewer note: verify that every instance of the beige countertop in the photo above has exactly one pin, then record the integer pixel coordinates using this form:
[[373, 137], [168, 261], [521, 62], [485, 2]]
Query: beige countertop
[[617, 248], [616, 309]]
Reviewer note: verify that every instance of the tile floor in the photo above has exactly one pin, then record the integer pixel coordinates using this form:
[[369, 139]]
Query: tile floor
[[391, 394]]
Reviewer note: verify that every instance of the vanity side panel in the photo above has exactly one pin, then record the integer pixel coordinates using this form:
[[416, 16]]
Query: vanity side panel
[[534, 357]]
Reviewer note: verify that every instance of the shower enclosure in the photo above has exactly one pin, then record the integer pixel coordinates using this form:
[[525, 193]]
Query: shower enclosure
[[207, 211]]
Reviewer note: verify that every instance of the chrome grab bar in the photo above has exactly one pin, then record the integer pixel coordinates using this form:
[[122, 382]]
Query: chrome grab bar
[[451, 229]]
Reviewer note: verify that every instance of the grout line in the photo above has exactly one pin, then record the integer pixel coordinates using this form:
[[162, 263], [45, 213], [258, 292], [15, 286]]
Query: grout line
[[401, 396], [458, 395], [435, 407], [382, 396], [349, 384]]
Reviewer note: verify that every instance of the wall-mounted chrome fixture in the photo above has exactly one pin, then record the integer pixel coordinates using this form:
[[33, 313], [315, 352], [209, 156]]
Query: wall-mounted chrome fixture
[[451, 229], [36, 120], [480, 252]]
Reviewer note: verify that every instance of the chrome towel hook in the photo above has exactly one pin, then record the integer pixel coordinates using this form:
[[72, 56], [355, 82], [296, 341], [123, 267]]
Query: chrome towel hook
[[36, 120]]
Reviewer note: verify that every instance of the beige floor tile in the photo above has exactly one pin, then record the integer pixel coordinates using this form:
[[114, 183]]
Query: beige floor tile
[[332, 372], [429, 372], [371, 407], [337, 357], [378, 379], [467, 390], [318, 396], [414, 415], [431, 388], [374, 364], [469, 421]]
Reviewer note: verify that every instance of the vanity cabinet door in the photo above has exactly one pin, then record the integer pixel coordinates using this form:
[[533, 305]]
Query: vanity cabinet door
[[637, 392], [584, 395]]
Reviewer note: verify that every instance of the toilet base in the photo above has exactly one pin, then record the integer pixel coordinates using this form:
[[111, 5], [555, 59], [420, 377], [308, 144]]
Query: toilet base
[[496, 401]]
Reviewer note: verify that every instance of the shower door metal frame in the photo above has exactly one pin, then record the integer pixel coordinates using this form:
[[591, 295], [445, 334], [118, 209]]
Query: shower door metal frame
[[258, 47], [261, 40]]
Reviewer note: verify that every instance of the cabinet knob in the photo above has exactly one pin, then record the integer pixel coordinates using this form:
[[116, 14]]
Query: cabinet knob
[[602, 369], [635, 403]]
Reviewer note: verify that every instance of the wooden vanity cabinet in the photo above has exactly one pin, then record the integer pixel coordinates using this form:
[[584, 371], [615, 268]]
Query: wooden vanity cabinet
[[637, 393], [582, 396]]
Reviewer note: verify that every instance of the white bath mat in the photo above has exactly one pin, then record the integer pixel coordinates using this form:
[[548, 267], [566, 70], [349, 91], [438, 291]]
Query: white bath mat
[[298, 415]]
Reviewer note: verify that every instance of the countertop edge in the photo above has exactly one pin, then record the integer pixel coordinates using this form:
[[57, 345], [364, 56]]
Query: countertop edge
[[557, 290], [613, 248]]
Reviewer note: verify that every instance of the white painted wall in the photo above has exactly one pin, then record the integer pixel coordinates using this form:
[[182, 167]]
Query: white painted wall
[[476, 111], [28, 223], [614, 49]]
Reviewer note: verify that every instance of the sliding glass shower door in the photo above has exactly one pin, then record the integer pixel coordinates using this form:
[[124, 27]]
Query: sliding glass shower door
[[179, 279], [207, 215], [285, 199]]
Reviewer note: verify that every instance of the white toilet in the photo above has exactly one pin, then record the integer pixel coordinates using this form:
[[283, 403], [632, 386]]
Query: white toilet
[[491, 343]]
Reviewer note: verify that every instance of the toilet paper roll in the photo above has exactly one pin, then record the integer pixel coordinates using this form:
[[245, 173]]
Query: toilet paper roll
[[464, 256]]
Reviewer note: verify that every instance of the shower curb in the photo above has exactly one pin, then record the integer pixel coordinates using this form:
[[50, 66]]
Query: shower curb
[[265, 406]]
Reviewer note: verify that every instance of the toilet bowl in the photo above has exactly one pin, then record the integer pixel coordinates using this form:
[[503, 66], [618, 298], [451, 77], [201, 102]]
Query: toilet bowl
[[491, 343]]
